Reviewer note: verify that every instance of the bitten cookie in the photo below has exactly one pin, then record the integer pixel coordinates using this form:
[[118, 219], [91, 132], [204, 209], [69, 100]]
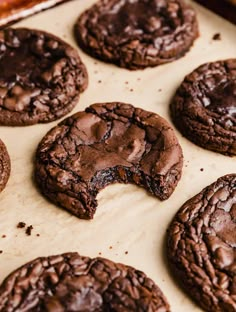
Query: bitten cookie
[[108, 143], [137, 34], [41, 77], [70, 282], [204, 107], [202, 246], [5, 166]]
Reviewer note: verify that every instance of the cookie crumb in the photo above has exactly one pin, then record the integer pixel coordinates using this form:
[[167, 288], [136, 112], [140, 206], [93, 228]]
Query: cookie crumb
[[216, 36], [29, 230], [127, 82], [99, 81], [21, 225], [99, 253], [202, 169], [159, 90], [131, 90], [110, 247]]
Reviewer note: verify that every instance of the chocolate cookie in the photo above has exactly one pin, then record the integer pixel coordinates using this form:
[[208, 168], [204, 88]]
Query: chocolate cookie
[[139, 33], [41, 77], [5, 166], [204, 107], [70, 282], [108, 143], [202, 246]]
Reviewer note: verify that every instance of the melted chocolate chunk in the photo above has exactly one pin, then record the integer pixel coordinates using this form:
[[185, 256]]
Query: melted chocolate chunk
[[202, 246], [70, 282], [5, 166], [137, 34], [41, 77], [204, 107], [108, 143]]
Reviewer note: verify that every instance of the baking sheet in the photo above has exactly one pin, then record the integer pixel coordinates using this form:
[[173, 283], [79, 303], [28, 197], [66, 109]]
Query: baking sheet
[[127, 218]]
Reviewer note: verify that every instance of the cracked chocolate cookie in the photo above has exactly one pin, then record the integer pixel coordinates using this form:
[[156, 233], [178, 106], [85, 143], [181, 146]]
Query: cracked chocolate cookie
[[5, 166], [202, 246], [41, 77], [204, 107], [107, 143], [139, 33], [70, 282]]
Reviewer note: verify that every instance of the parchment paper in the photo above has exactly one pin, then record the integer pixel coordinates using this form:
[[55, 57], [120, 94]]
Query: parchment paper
[[127, 219]]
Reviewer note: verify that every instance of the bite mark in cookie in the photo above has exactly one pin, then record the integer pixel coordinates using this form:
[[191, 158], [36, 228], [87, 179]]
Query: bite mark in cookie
[[108, 143]]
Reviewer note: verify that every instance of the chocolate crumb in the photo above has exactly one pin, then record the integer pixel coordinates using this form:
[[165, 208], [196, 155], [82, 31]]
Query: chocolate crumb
[[29, 230], [37, 234], [99, 81], [21, 225], [99, 253], [131, 90], [126, 252], [127, 82], [216, 36], [1, 251], [159, 90], [3, 236], [110, 247], [202, 169]]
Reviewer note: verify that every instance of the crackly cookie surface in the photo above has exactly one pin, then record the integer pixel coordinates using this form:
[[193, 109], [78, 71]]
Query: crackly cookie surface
[[5, 165], [139, 33], [70, 282], [204, 107], [41, 77], [202, 246], [109, 142]]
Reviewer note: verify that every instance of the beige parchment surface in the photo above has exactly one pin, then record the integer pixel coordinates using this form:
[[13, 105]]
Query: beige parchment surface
[[127, 219]]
